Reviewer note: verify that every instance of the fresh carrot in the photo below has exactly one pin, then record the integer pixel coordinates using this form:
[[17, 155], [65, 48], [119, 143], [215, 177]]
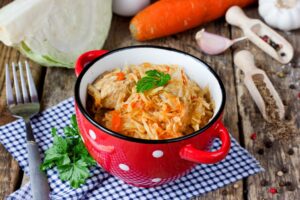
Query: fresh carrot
[[116, 121], [120, 76], [166, 17]]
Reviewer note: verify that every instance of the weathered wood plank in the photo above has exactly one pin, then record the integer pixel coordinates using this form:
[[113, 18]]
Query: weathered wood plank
[[58, 86], [10, 173], [275, 158]]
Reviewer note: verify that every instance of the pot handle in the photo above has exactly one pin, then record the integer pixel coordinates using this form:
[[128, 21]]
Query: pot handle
[[190, 153], [86, 58]]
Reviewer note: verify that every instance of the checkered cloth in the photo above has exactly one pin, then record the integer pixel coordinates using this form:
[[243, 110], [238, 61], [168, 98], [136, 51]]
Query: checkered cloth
[[101, 185]]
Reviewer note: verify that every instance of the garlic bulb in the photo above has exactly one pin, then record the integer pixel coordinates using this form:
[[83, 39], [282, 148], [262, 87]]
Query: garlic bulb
[[128, 8], [281, 14]]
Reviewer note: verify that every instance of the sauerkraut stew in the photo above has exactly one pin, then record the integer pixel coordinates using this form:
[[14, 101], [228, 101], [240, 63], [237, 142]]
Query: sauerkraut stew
[[149, 101]]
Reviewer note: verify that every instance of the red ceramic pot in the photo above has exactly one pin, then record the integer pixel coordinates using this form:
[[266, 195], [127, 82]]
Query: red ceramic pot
[[148, 163]]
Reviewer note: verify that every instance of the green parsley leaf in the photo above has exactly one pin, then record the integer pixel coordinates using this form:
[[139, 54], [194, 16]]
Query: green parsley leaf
[[154, 73], [76, 173], [152, 79], [69, 155], [60, 144], [164, 80]]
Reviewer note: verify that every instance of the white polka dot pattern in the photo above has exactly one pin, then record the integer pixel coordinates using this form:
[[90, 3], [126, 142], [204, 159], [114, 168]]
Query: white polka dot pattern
[[92, 134], [157, 153], [156, 180], [124, 167], [101, 185]]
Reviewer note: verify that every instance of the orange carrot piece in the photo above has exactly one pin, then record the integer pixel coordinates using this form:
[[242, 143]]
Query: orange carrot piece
[[120, 76], [134, 104], [137, 104], [167, 68], [116, 121], [166, 17]]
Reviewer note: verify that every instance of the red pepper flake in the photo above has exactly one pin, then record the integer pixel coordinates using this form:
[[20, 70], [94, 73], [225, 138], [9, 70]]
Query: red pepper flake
[[253, 136], [273, 190]]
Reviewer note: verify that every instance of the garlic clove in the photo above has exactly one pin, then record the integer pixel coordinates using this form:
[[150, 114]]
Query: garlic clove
[[212, 44]]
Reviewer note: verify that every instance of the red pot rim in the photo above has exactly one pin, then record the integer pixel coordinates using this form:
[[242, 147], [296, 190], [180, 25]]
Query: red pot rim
[[144, 141]]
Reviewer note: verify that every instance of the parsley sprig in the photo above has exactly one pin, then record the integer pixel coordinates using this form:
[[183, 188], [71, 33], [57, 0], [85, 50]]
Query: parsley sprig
[[69, 155], [152, 79]]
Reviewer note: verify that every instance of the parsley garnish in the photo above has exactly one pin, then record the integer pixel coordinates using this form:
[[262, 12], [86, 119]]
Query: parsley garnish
[[69, 155], [152, 79]]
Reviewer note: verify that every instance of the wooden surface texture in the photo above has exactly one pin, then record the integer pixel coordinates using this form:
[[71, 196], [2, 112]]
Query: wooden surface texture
[[241, 115]]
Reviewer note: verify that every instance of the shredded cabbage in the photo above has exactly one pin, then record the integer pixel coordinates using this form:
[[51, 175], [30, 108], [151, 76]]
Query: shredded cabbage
[[178, 108]]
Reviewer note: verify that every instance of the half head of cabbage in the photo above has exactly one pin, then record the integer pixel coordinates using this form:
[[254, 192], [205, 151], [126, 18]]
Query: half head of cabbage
[[55, 32]]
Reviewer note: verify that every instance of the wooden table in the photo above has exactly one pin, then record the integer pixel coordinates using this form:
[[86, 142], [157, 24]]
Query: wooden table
[[242, 117]]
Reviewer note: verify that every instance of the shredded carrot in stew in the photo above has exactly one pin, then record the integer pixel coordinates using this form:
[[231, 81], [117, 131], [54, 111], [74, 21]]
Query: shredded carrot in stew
[[172, 110], [120, 76], [116, 122]]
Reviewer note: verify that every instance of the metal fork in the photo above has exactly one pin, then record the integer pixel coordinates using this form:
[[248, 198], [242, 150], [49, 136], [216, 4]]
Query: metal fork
[[25, 106]]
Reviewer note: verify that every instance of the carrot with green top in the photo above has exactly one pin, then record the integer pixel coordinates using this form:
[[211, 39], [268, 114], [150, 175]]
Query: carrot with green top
[[166, 17]]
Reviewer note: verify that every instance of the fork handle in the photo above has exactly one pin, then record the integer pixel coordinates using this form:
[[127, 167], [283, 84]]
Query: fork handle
[[38, 180]]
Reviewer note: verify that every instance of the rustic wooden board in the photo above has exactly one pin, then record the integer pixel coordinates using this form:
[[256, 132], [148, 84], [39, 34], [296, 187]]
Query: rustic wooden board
[[241, 116], [58, 86], [10, 173], [276, 158]]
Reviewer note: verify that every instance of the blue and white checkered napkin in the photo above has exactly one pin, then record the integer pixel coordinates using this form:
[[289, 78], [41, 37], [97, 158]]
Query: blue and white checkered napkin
[[202, 179]]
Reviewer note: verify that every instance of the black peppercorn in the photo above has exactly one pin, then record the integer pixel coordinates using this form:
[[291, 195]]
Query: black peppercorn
[[282, 184], [290, 188], [282, 54], [284, 170], [287, 117], [290, 152], [288, 183], [264, 182], [284, 102], [273, 44], [268, 143], [292, 86], [260, 151]]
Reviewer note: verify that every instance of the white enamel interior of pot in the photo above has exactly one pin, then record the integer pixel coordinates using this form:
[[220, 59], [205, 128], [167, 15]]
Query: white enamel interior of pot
[[195, 69]]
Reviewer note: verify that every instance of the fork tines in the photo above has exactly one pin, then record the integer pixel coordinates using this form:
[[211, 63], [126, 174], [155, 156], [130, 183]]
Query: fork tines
[[24, 97]]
